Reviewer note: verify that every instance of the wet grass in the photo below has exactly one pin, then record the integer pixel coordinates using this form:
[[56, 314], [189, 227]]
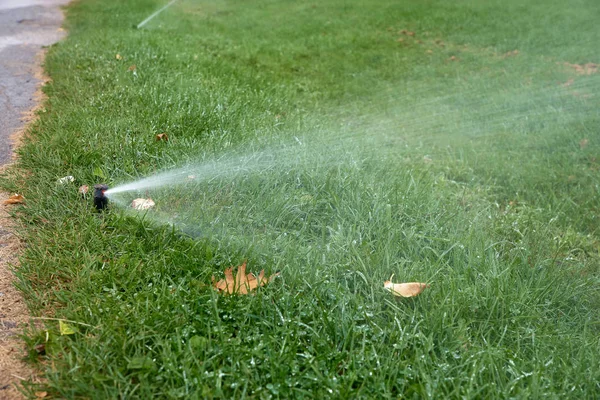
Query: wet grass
[[453, 144]]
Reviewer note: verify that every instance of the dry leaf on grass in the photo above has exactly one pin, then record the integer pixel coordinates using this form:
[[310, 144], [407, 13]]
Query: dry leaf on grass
[[583, 143], [142, 204], [15, 199], [132, 68], [242, 283], [118, 57], [409, 289], [65, 180], [162, 136], [41, 395]]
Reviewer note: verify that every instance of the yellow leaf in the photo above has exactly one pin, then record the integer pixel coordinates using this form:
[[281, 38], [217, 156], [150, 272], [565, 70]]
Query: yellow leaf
[[409, 289], [118, 57], [242, 283], [41, 395], [65, 329]]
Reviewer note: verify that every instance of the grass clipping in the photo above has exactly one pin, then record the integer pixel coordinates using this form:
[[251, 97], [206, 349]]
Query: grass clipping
[[242, 283]]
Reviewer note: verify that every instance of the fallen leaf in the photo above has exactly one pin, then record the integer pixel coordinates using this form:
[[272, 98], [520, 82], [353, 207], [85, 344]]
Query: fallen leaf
[[142, 204], [65, 180], [242, 283], [409, 289], [83, 189], [162, 136], [41, 395], [65, 329], [583, 143], [15, 199], [118, 57], [453, 58], [132, 68]]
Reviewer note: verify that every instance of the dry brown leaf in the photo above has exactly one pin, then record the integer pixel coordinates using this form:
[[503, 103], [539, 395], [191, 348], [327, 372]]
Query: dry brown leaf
[[583, 143], [242, 283], [409, 289], [83, 189], [132, 68], [142, 204], [41, 395], [15, 199], [162, 136]]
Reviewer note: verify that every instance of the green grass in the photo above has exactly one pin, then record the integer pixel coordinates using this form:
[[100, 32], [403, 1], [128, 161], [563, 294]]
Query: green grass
[[465, 173]]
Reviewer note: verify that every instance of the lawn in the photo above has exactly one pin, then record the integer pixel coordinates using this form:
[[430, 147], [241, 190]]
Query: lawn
[[337, 143]]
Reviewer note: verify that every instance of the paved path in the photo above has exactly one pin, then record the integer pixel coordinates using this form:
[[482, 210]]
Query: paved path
[[25, 27]]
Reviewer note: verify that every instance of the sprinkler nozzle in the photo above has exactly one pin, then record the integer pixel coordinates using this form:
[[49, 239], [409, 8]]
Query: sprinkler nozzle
[[100, 200]]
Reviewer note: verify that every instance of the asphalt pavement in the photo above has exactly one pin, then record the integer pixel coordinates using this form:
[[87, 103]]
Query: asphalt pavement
[[26, 27]]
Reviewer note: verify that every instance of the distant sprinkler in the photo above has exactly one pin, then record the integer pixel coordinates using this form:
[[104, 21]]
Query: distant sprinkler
[[144, 22], [100, 200]]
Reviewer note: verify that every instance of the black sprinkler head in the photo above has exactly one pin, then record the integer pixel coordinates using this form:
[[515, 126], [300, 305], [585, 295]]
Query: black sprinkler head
[[100, 200]]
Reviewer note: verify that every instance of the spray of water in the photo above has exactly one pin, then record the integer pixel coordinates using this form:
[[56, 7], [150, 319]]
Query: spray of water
[[386, 127]]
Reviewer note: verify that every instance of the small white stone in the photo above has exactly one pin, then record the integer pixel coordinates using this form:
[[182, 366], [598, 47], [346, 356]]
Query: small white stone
[[142, 204]]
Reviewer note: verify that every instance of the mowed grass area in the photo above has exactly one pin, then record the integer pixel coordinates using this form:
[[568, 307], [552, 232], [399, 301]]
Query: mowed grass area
[[454, 143]]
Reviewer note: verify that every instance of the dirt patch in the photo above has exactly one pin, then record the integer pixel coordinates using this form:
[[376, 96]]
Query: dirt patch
[[13, 311]]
